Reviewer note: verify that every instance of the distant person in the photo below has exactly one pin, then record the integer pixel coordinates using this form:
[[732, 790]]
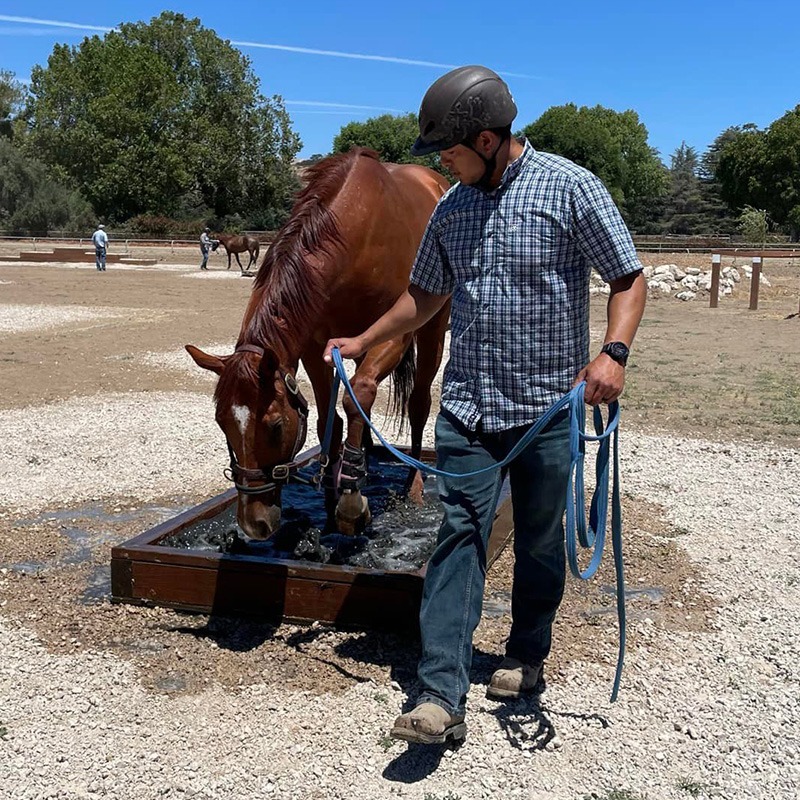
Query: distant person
[[207, 244], [100, 239]]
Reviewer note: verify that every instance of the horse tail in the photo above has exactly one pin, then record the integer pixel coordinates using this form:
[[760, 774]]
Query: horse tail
[[403, 385]]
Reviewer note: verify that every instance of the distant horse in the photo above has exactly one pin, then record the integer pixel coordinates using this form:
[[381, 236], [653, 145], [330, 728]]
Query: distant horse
[[340, 261], [239, 243]]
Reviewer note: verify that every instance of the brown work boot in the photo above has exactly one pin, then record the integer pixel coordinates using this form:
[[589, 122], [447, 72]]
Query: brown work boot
[[429, 723], [514, 679]]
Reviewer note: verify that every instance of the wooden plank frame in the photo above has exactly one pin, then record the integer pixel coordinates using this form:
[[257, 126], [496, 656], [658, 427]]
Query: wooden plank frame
[[143, 572]]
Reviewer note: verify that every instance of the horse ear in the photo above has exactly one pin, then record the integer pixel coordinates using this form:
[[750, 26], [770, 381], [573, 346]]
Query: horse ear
[[269, 363], [206, 360]]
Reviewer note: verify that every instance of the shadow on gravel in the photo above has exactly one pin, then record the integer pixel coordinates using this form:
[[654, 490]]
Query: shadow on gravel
[[417, 763], [230, 633]]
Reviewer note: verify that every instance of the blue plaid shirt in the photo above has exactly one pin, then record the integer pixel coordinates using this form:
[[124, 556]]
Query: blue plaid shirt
[[517, 261]]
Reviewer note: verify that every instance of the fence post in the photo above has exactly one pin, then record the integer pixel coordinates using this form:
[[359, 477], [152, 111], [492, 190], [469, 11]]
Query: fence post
[[34, 244], [755, 283], [716, 263]]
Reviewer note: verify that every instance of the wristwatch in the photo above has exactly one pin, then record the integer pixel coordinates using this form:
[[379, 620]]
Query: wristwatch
[[619, 351]]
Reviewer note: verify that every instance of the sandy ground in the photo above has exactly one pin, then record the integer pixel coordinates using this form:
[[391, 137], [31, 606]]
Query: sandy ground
[[103, 417]]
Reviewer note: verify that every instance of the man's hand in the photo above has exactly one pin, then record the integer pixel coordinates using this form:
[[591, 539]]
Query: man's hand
[[349, 348], [605, 379]]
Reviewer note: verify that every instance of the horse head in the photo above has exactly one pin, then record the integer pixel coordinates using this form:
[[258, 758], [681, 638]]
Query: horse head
[[262, 413]]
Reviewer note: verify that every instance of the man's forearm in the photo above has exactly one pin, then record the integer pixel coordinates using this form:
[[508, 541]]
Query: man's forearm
[[625, 308], [411, 311]]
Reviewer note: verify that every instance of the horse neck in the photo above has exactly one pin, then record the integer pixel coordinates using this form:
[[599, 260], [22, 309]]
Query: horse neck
[[288, 338]]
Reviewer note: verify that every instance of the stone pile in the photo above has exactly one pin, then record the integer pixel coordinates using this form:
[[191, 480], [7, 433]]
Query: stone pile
[[683, 283]]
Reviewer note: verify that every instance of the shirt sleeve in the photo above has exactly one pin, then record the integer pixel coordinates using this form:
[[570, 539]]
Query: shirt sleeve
[[600, 231], [431, 270]]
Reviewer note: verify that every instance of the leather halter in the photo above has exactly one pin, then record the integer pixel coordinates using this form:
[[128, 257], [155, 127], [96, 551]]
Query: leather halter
[[280, 473]]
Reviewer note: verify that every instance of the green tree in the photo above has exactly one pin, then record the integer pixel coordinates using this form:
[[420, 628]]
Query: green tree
[[33, 203], [12, 100], [687, 210], [781, 174], [754, 225], [740, 167], [761, 168], [611, 144], [720, 217], [392, 136], [162, 117]]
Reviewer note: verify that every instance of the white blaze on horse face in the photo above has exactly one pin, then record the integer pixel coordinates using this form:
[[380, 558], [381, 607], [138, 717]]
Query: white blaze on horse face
[[242, 416]]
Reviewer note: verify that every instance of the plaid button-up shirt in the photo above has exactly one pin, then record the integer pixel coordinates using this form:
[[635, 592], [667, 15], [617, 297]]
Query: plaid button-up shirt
[[517, 261]]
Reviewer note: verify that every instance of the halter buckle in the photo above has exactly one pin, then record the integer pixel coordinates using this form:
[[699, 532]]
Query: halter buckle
[[280, 472], [291, 383]]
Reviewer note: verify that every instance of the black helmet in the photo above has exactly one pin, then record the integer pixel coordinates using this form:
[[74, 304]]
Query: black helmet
[[460, 105]]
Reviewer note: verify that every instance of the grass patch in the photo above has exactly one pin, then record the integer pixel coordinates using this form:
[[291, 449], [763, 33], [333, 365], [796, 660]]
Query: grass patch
[[694, 788], [386, 742], [615, 794], [3, 731], [779, 393]]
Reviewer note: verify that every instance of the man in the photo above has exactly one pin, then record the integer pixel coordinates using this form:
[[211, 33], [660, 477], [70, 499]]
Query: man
[[100, 239], [513, 243], [206, 245]]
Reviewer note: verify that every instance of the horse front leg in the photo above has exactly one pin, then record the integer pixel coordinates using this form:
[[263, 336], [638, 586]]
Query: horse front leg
[[352, 510], [322, 382], [229, 259], [430, 348], [241, 268]]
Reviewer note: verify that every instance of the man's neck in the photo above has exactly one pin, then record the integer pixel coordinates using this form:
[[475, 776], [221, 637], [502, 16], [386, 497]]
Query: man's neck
[[510, 151]]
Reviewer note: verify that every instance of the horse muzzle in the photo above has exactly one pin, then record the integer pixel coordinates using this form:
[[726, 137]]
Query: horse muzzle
[[258, 519]]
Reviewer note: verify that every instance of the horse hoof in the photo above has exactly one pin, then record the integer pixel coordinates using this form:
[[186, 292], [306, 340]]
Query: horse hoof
[[352, 514], [416, 491]]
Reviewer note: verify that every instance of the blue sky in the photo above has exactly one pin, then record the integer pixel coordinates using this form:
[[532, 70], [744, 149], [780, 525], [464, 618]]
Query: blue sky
[[690, 69]]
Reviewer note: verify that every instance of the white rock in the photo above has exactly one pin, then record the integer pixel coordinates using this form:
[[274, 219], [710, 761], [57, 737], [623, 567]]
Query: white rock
[[687, 295], [677, 273]]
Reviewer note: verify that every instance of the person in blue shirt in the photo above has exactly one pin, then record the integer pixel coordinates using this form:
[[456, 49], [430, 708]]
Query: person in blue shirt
[[207, 244], [513, 244], [100, 239]]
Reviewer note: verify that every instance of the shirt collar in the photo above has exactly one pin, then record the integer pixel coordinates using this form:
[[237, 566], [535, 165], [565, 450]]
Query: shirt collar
[[514, 168]]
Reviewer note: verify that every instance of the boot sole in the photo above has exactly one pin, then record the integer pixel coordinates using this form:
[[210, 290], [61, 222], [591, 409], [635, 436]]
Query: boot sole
[[454, 732]]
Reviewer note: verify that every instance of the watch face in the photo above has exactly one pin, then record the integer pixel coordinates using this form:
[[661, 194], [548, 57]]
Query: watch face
[[618, 350]]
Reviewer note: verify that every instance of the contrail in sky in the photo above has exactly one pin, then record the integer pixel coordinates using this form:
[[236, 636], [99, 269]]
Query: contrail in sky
[[52, 23], [343, 106]]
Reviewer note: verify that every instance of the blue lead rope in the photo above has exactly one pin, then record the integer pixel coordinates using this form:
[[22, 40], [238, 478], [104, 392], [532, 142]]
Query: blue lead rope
[[592, 535]]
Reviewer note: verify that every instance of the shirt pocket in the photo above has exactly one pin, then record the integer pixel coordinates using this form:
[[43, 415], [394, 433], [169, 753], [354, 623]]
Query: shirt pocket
[[532, 242]]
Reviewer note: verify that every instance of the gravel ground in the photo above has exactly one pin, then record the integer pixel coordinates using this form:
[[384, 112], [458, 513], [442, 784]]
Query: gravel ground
[[20, 319], [708, 713], [703, 714]]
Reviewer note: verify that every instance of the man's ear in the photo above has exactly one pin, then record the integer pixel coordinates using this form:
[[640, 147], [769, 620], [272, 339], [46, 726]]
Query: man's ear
[[206, 360], [486, 143]]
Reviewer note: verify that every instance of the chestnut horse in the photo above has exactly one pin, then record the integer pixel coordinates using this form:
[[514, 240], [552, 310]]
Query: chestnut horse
[[340, 261], [239, 243]]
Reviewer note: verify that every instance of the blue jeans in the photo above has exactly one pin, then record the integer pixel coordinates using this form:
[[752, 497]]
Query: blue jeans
[[100, 258], [454, 582]]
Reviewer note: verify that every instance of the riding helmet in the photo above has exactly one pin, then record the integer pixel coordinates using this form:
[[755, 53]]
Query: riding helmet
[[460, 105]]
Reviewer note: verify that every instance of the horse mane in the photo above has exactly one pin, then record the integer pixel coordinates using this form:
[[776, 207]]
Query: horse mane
[[288, 293]]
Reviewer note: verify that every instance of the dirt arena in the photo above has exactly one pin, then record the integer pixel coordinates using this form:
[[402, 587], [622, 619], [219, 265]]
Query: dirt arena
[[106, 428]]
